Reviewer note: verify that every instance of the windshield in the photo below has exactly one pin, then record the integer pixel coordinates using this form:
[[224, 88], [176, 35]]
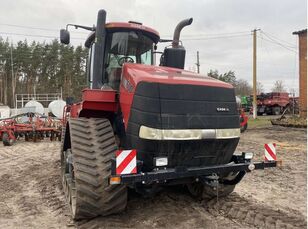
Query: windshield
[[123, 47], [132, 44]]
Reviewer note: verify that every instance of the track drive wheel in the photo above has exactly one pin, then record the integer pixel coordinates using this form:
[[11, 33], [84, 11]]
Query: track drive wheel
[[85, 169]]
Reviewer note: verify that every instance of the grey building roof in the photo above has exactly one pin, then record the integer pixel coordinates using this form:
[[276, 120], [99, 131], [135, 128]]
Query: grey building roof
[[300, 32]]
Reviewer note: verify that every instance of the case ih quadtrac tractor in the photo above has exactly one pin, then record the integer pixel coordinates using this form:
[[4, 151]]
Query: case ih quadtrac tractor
[[143, 126]]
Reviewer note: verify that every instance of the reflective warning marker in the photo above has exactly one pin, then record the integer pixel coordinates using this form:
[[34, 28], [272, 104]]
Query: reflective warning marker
[[270, 152], [126, 162]]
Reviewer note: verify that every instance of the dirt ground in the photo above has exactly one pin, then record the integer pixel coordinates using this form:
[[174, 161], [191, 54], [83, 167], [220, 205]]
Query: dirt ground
[[31, 195]]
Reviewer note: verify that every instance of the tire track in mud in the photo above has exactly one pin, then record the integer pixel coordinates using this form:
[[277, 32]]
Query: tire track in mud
[[16, 155], [169, 209], [255, 214], [173, 208], [181, 211], [29, 176], [29, 192], [286, 186], [50, 189]]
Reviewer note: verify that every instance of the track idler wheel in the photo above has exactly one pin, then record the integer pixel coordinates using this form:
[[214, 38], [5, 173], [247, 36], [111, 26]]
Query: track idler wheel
[[7, 141]]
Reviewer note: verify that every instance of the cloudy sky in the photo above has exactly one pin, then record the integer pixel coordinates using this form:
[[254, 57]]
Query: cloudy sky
[[221, 30]]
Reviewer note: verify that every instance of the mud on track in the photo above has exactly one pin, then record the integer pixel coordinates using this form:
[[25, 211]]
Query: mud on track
[[31, 195]]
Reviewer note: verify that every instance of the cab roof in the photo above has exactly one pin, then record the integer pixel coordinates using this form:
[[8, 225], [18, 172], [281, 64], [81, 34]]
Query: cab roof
[[126, 26]]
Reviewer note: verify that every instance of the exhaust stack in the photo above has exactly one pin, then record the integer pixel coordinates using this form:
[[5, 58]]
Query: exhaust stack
[[100, 35], [175, 56], [177, 31]]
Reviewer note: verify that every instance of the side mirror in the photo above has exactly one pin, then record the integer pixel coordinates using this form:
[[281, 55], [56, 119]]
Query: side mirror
[[64, 36]]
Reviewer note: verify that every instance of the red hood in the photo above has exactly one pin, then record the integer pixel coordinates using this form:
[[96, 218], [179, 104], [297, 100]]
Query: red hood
[[136, 73]]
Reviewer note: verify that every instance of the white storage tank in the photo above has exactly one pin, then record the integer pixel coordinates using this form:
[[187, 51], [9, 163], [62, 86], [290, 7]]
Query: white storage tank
[[4, 111], [56, 108], [33, 106]]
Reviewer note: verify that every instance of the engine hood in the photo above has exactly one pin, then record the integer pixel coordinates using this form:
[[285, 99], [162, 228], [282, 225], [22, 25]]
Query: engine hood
[[136, 73]]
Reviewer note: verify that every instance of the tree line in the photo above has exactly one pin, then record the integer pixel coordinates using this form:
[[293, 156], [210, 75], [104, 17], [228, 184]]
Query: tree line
[[242, 87], [40, 67]]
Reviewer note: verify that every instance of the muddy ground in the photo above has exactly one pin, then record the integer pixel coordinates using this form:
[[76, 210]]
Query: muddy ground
[[31, 195]]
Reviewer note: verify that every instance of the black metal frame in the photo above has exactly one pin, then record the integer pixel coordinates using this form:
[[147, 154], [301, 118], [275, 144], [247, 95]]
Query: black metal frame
[[161, 174]]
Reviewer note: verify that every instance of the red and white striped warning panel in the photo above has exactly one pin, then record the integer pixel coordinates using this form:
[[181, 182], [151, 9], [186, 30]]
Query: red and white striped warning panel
[[126, 162], [270, 152]]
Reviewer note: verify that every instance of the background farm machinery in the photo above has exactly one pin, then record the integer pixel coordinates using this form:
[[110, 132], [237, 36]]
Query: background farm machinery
[[31, 126]]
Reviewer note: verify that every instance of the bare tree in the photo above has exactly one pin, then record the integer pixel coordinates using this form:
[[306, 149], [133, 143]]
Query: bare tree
[[260, 88], [279, 86], [242, 87]]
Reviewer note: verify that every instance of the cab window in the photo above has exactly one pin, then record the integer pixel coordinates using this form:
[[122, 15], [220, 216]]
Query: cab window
[[125, 47]]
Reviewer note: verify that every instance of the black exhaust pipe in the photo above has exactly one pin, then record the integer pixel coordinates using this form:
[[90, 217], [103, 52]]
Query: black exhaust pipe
[[177, 31], [100, 38]]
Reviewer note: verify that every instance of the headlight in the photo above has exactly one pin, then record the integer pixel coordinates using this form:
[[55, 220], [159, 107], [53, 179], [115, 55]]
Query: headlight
[[248, 156], [160, 161], [187, 134], [158, 134], [150, 133], [227, 133]]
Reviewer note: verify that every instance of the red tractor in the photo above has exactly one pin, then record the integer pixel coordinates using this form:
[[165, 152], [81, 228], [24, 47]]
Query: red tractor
[[142, 126]]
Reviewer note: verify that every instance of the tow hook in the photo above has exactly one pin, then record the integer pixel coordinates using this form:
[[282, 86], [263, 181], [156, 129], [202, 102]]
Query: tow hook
[[212, 181]]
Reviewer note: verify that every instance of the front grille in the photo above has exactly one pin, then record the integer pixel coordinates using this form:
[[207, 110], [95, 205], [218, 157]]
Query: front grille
[[166, 106]]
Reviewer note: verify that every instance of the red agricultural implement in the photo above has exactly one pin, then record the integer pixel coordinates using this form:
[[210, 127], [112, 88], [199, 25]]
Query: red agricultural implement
[[31, 126], [273, 103]]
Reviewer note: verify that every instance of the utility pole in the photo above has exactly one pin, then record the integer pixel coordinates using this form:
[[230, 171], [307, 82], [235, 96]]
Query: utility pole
[[198, 63], [254, 73], [13, 77], [5, 88]]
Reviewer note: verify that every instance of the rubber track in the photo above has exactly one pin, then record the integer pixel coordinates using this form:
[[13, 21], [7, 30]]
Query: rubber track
[[93, 146], [254, 214]]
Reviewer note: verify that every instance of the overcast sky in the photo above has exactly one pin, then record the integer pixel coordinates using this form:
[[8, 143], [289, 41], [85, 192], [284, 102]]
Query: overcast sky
[[221, 30]]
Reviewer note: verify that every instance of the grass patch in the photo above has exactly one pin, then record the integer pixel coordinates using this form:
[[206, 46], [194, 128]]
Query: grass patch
[[258, 123]]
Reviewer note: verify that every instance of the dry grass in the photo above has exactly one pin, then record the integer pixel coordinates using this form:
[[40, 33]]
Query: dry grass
[[293, 121], [258, 123]]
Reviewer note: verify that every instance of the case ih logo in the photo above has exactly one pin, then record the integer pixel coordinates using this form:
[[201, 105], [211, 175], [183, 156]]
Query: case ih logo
[[222, 109]]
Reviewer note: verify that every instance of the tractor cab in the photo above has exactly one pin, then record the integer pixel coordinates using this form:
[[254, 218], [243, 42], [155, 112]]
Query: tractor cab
[[113, 44], [124, 43]]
